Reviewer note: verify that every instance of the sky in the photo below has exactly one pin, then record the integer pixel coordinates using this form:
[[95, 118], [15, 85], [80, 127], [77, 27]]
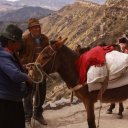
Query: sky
[[69, 0], [12, 0], [98, 1]]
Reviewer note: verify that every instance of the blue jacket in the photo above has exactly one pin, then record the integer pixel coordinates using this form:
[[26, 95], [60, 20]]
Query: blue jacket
[[10, 77]]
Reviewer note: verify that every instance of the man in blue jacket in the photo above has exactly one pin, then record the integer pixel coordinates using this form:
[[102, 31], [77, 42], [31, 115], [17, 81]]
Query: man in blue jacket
[[11, 79]]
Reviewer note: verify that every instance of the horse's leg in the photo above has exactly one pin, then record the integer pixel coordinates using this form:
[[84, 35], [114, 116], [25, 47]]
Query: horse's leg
[[111, 107], [90, 114], [121, 109]]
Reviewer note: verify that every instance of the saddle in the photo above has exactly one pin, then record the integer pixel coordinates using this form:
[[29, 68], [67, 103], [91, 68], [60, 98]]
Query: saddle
[[116, 66]]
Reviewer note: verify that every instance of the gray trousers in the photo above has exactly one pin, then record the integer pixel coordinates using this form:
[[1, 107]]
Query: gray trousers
[[36, 109]]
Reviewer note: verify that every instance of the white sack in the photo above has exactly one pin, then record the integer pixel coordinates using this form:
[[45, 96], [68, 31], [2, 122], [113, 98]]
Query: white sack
[[121, 81], [117, 64]]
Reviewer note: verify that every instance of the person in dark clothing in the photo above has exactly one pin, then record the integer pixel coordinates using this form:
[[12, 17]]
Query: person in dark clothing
[[33, 43], [11, 80]]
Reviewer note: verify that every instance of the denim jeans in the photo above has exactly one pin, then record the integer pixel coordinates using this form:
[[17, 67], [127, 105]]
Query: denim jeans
[[35, 109]]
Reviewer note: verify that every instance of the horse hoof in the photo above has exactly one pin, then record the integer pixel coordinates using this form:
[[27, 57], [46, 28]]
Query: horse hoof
[[119, 116], [109, 112]]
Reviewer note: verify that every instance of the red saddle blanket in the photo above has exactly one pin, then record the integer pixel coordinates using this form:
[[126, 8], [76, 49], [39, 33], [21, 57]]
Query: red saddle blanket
[[95, 56]]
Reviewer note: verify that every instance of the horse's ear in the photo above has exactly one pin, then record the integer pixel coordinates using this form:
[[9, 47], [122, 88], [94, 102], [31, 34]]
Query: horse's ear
[[59, 38], [59, 43]]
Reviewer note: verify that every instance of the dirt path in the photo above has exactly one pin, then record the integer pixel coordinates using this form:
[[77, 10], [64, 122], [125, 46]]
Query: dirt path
[[75, 116]]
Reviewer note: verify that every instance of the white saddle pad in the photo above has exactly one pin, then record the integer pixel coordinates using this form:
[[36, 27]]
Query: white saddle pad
[[117, 64], [119, 82]]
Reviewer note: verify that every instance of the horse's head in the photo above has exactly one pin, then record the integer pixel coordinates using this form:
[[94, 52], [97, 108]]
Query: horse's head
[[48, 52], [57, 57]]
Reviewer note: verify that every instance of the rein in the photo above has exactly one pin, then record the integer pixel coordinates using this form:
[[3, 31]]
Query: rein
[[35, 64], [41, 71], [54, 55]]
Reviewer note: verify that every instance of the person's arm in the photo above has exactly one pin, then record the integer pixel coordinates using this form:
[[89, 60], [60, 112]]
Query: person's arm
[[10, 69]]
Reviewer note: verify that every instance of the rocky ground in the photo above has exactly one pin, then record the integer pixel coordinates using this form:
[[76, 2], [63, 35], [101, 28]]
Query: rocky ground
[[74, 116]]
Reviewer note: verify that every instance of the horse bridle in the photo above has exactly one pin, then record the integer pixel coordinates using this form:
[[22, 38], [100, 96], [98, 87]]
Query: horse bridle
[[52, 55]]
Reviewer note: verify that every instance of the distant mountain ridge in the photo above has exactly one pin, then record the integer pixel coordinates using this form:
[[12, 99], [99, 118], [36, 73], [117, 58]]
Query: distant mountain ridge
[[21, 16], [50, 4], [25, 13], [6, 7], [94, 1]]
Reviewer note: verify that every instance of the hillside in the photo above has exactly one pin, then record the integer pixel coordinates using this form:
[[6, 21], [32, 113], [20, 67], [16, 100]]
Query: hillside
[[88, 23]]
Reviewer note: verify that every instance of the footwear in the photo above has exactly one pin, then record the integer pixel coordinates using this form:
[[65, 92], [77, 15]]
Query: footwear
[[109, 112], [41, 120], [119, 116], [27, 124]]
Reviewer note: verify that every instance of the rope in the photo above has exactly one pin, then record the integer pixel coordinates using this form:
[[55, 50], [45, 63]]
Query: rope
[[71, 98], [53, 94], [36, 65], [33, 123], [98, 123], [100, 94], [37, 94], [36, 104]]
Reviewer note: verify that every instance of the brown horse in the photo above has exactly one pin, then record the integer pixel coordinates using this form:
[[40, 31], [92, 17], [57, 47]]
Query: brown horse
[[59, 58]]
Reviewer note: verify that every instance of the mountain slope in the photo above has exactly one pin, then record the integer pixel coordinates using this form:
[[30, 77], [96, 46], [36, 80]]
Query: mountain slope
[[85, 23]]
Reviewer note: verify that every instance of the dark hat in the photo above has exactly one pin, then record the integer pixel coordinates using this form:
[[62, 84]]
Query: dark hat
[[33, 22], [123, 40], [12, 32]]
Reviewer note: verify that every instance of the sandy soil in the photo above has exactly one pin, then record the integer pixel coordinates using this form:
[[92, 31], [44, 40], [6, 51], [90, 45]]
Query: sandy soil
[[74, 116]]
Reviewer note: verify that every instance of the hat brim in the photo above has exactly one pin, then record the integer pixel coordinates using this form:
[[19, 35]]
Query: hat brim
[[8, 37], [33, 25]]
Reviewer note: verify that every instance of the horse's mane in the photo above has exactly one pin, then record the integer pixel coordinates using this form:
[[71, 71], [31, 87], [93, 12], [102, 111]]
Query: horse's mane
[[68, 62], [69, 52]]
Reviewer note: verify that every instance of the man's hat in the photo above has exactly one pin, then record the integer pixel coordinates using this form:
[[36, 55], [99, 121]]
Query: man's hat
[[12, 32], [33, 22]]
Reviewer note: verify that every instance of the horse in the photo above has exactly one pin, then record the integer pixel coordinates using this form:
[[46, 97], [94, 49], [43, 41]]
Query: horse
[[57, 57], [81, 50]]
